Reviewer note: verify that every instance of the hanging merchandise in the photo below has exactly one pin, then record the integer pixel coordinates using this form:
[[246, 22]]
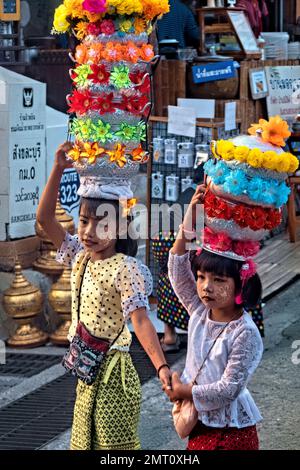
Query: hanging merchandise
[[157, 191], [185, 154], [158, 149], [186, 183], [172, 188], [170, 151]]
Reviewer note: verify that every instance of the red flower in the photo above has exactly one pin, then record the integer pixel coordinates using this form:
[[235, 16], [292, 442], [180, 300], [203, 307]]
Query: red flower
[[94, 29], [143, 82], [80, 102], [134, 104], [246, 249], [100, 74], [240, 216], [107, 27], [104, 104], [257, 218]]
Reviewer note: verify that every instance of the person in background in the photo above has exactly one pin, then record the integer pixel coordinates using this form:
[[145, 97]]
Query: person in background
[[179, 24]]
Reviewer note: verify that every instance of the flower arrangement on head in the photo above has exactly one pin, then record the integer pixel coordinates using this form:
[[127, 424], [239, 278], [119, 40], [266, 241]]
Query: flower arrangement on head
[[246, 189], [111, 97]]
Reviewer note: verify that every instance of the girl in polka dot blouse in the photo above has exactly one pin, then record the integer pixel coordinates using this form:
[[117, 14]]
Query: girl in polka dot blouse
[[114, 287]]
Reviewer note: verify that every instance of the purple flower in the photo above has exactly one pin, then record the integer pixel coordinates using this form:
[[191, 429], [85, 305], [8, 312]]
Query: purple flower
[[94, 6]]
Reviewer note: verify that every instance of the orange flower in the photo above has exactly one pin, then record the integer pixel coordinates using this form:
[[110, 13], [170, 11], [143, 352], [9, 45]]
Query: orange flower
[[92, 17], [257, 127], [92, 151], [273, 131], [127, 205], [132, 52], [118, 155], [146, 52], [139, 25], [112, 52], [139, 155], [81, 29], [80, 54], [94, 53]]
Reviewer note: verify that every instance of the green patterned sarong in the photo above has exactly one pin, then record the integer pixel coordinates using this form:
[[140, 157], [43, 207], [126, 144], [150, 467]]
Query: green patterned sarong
[[106, 413]]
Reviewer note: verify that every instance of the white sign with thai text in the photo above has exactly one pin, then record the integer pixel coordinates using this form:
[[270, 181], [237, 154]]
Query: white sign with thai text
[[284, 87]]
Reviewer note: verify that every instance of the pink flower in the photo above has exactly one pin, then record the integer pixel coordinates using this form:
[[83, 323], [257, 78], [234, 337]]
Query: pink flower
[[107, 27], [94, 6], [248, 270], [217, 241]]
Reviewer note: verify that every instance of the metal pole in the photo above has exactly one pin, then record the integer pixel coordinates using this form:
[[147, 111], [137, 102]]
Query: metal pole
[[280, 15]]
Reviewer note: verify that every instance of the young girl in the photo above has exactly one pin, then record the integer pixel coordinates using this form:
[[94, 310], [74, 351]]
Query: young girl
[[114, 288], [222, 337]]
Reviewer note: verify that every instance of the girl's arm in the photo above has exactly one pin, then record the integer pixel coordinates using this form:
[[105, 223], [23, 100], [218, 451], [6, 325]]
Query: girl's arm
[[45, 214], [243, 359], [179, 266], [185, 234], [147, 336]]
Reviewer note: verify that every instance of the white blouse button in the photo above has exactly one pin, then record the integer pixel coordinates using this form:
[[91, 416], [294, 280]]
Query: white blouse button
[[102, 309]]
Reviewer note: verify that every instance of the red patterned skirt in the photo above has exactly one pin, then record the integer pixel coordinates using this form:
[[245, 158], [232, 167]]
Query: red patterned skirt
[[206, 438]]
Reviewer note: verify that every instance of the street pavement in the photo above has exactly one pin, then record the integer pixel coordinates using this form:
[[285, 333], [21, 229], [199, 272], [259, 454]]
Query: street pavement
[[275, 386]]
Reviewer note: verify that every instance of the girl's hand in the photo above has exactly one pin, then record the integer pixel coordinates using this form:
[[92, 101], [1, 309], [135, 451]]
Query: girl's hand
[[61, 157], [190, 216], [165, 376], [179, 390]]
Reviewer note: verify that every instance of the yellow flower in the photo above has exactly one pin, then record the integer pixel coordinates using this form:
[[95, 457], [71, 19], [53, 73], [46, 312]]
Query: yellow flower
[[255, 158], [74, 153], [92, 151], [74, 8], [283, 162], [294, 163], [270, 160], [149, 29], [81, 29], [118, 155], [225, 149], [126, 7], [153, 8], [60, 23], [125, 26], [241, 153]]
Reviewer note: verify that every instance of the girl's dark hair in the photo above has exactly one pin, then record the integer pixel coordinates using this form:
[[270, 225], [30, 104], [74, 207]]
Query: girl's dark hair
[[221, 266], [127, 246]]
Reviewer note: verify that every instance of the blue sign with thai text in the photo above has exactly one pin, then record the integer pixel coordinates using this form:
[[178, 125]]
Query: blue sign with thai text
[[213, 71]]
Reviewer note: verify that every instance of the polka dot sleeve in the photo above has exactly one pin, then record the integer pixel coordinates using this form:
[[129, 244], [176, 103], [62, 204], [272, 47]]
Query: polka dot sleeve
[[68, 250], [134, 282]]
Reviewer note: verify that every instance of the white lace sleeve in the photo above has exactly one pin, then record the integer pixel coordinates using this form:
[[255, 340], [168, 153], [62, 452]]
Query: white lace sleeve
[[68, 250], [183, 282], [243, 359], [134, 282]]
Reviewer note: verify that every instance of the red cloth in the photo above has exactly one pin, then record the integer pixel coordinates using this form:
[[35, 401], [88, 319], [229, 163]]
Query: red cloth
[[206, 438], [255, 12]]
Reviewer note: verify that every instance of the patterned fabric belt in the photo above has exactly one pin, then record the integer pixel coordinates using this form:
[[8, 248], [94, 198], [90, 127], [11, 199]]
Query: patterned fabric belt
[[118, 356]]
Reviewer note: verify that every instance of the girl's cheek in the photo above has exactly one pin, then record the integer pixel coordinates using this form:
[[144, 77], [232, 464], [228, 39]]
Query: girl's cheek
[[224, 293]]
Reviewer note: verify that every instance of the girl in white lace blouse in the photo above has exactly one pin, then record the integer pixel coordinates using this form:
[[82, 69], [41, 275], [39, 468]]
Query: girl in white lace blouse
[[208, 285]]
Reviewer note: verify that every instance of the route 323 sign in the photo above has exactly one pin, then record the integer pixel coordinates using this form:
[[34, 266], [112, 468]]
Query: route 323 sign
[[69, 185]]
